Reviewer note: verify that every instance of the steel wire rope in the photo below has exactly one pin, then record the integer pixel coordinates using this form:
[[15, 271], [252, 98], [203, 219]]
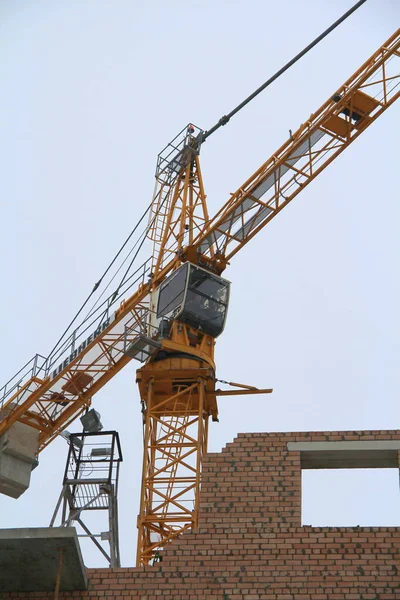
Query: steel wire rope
[[97, 284], [378, 96], [223, 121], [226, 118], [62, 348], [144, 235], [114, 276]]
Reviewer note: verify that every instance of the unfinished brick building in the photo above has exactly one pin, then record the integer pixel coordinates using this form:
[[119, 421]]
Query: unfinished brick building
[[250, 544]]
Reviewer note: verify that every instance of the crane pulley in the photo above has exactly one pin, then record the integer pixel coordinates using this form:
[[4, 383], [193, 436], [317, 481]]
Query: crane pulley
[[172, 318]]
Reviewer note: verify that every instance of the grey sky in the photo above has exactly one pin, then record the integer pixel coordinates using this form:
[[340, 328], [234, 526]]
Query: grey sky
[[92, 91]]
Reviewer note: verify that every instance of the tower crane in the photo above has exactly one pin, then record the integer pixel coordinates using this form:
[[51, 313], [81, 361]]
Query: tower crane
[[171, 320]]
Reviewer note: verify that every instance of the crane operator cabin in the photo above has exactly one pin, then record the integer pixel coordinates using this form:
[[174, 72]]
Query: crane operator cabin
[[193, 296]]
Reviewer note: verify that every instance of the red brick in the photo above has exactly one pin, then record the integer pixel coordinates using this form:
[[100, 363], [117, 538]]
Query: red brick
[[250, 544]]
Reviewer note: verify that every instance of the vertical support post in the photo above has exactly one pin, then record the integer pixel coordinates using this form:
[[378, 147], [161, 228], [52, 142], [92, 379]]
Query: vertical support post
[[34, 365], [59, 570], [113, 557], [200, 450], [73, 341], [142, 542]]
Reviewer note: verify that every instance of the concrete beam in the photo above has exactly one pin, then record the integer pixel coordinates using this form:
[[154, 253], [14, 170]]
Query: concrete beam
[[29, 559], [374, 454]]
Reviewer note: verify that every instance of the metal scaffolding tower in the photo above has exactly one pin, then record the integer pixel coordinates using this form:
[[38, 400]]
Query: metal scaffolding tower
[[91, 484]]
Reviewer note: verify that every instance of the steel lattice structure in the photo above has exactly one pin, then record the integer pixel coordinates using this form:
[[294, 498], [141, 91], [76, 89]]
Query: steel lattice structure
[[177, 383]]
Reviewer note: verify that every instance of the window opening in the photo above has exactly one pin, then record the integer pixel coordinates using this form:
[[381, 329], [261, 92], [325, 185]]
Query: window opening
[[350, 497]]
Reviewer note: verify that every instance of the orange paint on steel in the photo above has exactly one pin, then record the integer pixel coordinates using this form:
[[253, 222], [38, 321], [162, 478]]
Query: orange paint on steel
[[179, 394]]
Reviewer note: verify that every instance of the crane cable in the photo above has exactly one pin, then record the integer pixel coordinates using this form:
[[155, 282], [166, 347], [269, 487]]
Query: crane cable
[[98, 283], [223, 121], [226, 118]]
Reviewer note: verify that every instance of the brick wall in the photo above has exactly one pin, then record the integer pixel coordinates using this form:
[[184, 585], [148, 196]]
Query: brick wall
[[250, 544]]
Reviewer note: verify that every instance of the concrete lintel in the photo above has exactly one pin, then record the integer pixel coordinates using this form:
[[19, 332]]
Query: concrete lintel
[[372, 454], [29, 559]]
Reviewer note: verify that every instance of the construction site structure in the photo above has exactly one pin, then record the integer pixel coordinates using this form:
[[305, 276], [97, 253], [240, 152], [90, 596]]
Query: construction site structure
[[171, 310], [90, 484]]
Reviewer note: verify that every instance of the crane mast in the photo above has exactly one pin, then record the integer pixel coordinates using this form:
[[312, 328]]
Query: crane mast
[[178, 309], [177, 383]]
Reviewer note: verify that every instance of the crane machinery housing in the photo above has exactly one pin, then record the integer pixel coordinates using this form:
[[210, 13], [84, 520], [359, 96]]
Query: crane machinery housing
[[168, 313]]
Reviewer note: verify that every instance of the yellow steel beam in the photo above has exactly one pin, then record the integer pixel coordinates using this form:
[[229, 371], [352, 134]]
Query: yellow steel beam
[[173, 450], [327, 132], [50, 402]]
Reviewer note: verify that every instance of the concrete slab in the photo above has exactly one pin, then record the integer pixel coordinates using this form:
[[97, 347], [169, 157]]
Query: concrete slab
[[374, 454], [29, 559], [18, 451]]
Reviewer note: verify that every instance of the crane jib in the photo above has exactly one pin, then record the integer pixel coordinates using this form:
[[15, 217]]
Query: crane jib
[[79, 350]]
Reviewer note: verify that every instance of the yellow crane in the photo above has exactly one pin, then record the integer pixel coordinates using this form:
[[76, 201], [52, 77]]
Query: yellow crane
[[171, 321]]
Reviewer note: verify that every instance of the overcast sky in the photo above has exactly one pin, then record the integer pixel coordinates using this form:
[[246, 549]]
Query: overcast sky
[[91, 91]]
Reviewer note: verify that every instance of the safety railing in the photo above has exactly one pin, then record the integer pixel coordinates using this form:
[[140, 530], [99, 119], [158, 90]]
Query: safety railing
[[143, 338], [41, 366], [36, 367], [178, 153]]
